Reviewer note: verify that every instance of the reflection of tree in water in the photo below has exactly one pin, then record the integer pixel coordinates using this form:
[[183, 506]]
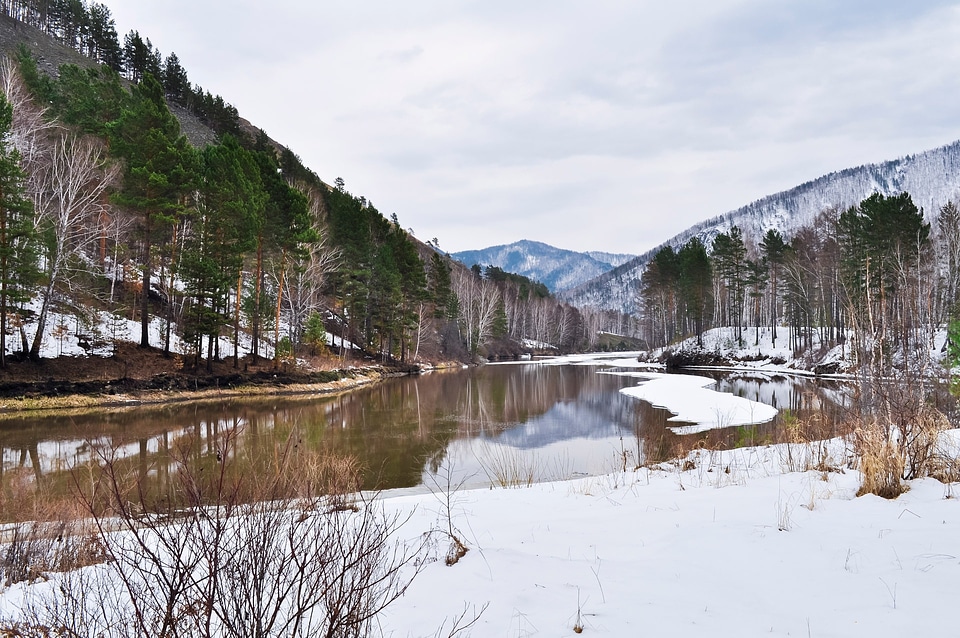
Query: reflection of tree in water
[[394, 428], [823, 408]]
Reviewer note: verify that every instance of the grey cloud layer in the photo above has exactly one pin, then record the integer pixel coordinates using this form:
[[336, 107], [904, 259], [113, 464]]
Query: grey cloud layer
[[608, 125]]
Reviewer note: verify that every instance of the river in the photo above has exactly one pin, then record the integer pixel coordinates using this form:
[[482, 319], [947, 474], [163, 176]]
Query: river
[[496, 424]]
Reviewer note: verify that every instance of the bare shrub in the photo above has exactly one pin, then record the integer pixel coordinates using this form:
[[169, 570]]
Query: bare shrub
[[31, 550], [445, 488], [920, 442], [217, 553], [899, 430]]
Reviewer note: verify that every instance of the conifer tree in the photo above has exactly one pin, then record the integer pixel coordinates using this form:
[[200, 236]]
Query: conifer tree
[[774, 250], [696, 276], [159, 167], [102, 43], [229, 199], [729, 258], [175, 82]]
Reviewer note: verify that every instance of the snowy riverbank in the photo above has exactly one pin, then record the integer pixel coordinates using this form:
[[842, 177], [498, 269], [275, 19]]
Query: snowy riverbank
[[743, 542], [757, 350], [734, 546]]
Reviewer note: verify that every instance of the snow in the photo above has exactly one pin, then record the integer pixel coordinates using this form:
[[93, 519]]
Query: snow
[[689, 553], [688, 398], [556, 268], [932, 178]]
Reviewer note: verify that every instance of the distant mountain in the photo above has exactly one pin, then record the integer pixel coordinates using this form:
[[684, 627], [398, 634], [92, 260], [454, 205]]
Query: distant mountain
[[555, 268], [932, 178]]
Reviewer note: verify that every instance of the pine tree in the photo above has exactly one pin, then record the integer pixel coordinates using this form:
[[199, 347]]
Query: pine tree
[[140, 59], [729, 259], [229, 199], [159, 168], [661, 294], [696, 278], [774, 250], [175, 82], [758, 274], [102, 43]]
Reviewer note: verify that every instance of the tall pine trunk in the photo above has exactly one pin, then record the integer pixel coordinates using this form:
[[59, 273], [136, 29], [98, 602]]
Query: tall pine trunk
[[145, 291], [276, 325]]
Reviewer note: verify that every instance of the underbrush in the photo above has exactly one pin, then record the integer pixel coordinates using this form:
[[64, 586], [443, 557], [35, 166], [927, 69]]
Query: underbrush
[[292, 548]]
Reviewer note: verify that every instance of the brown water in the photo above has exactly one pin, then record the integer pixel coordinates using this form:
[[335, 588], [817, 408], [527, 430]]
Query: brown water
[[481, 425]]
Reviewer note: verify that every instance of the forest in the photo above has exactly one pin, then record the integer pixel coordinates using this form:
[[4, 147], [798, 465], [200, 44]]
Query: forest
[[107, 206], [875, 276]]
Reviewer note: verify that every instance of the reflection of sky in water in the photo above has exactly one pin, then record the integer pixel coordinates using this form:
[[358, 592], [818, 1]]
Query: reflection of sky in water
[[571, 420], [558, 420], [595, 433]]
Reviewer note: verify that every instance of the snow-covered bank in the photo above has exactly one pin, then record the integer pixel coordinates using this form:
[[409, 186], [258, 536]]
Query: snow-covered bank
[[758, 350], [688, 553], [691, 400], [721, 544]]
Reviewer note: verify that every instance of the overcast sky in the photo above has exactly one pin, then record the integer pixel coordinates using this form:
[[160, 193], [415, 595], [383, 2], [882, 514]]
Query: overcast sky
[[599, 125]]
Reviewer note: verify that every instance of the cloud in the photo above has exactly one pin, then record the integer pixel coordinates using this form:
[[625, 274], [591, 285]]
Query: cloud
[[607, 126]]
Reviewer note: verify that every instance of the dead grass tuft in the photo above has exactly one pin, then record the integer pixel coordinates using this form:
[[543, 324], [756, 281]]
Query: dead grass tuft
[[881, 461]]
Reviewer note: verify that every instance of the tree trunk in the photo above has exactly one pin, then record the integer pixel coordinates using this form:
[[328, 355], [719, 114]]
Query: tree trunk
[[42, 317], [236, 322], [276, 325], [145, 291], [257, 291]]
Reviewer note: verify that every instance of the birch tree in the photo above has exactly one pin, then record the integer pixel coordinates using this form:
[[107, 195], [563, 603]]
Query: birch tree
[[76, 179]]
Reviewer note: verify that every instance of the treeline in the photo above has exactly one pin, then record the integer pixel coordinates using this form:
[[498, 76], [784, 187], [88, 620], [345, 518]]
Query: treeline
[[89, 29], [876, 271]]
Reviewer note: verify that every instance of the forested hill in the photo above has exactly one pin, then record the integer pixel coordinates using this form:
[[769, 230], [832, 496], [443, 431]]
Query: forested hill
[[129, 193], [932, 178], [556, 268]]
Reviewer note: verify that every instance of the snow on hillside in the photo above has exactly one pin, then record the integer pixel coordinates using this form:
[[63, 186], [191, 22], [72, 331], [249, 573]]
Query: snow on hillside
[[932, 178], [556, 268]]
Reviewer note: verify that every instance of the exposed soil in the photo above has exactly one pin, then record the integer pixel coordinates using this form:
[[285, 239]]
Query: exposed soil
[[137, 374]]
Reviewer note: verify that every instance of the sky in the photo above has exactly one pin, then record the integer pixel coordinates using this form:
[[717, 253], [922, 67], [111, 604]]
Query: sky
[[609, 125]]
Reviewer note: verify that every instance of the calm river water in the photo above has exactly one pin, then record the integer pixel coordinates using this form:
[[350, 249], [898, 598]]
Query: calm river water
[[480, 425]]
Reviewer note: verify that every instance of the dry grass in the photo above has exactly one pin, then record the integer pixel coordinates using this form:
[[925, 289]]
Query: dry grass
[[43, 531], [881, 461], [508, 467], [48, 526]]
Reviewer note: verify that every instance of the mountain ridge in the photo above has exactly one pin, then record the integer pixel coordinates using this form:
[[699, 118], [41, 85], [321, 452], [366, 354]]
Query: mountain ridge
[[931, 177], [556, 268]]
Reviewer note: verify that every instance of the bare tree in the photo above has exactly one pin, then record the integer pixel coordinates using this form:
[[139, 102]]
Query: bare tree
[[75, 179], [306, 281], [478, 306], [30, 128]]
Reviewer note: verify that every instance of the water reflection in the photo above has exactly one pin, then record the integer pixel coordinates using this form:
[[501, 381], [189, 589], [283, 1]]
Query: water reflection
[[552, 421]]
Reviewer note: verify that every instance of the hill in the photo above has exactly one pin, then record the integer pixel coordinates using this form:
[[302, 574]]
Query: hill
[[217, 241], [556, 268], [932, 178]]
